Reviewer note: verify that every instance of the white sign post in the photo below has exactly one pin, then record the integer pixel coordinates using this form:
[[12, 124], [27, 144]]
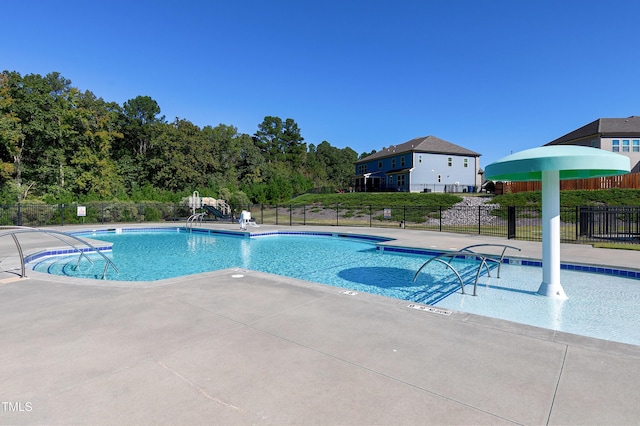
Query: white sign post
[[82, 212]]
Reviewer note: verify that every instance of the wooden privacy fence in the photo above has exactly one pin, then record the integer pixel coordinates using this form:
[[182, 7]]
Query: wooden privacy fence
[[628, 181]]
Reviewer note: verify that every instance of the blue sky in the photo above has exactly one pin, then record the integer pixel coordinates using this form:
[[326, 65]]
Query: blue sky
[[494, 76]]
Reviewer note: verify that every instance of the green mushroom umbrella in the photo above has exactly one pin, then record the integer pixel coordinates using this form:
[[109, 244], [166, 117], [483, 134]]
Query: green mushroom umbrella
[[550, 164]]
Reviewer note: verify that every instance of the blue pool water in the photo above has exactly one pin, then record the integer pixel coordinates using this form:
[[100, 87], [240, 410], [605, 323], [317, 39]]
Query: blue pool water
[[598, 306]]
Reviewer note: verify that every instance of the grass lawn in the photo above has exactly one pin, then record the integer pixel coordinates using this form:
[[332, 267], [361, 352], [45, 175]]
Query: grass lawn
[[382, 199], [617, 246]]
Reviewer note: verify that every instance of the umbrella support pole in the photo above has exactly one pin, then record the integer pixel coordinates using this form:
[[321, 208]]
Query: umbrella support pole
[[551, 286]]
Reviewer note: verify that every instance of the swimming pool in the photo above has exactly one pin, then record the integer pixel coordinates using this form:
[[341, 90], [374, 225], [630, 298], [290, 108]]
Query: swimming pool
[[598, 306]]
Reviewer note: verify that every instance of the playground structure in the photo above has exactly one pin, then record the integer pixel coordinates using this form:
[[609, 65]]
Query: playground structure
[[197, 202], [220, 209], [203, 206]]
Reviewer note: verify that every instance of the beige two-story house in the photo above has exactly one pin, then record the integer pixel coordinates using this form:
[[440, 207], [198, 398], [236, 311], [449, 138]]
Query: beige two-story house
[[621, 135]]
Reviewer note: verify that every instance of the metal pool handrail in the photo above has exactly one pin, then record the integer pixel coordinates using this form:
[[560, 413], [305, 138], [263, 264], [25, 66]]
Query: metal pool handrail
[[452, 256], [195, 218], [504, 249], [13, 230], [464, 252]]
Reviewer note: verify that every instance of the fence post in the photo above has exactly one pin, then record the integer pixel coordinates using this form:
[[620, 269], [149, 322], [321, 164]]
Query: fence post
[[62, 214], [262, 213], [276, 213], [404, 216], [479, 220], [19, 214], [440, 215], [370, 216], [511, 222], [304, 214], [102, 211], [337, 214], [290, 215], [577, 222]]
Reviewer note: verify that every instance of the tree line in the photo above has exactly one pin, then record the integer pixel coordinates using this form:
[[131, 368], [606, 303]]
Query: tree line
[[60, 144]]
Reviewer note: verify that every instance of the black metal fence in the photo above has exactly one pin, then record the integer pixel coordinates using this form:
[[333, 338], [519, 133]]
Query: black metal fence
[[35, 215], [578, 224]]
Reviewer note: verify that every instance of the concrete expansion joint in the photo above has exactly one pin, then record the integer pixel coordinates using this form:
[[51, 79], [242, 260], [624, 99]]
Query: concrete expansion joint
[[555, 391], [197, 388]]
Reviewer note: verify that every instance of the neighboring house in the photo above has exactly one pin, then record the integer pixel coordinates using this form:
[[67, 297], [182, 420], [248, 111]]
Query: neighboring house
[[621, 135], [422, 164]]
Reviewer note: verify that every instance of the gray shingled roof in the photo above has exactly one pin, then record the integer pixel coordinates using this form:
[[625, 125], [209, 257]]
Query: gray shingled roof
[[428, 144], [606, 127]]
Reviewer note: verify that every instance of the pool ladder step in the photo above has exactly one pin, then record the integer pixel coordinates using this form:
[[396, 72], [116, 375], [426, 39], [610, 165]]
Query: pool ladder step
[[464, 253]]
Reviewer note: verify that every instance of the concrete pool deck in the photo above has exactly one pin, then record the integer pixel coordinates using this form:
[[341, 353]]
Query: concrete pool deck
[[243, 347]]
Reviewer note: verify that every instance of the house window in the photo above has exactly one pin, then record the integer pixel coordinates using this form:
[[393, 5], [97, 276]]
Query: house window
[[625, 145], [449, 161], [439, 178], [391, 180], [379, 164], [400, 180], [362, 169], [393, 163], [615, 145], [466, 162], [636, 145], [401, 161]]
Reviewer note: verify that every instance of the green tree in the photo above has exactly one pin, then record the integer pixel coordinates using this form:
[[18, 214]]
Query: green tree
[[279, 189], [268, 139], [295, 150], [141, 114], [44, 106], [63, 139], [180, 159], [222, 144], [96, 171], [140, 126], [251, 165], [366, 154], [239, 162], [330, 166], [280, 141], [11, 136], [337, 162], [59, 143]]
